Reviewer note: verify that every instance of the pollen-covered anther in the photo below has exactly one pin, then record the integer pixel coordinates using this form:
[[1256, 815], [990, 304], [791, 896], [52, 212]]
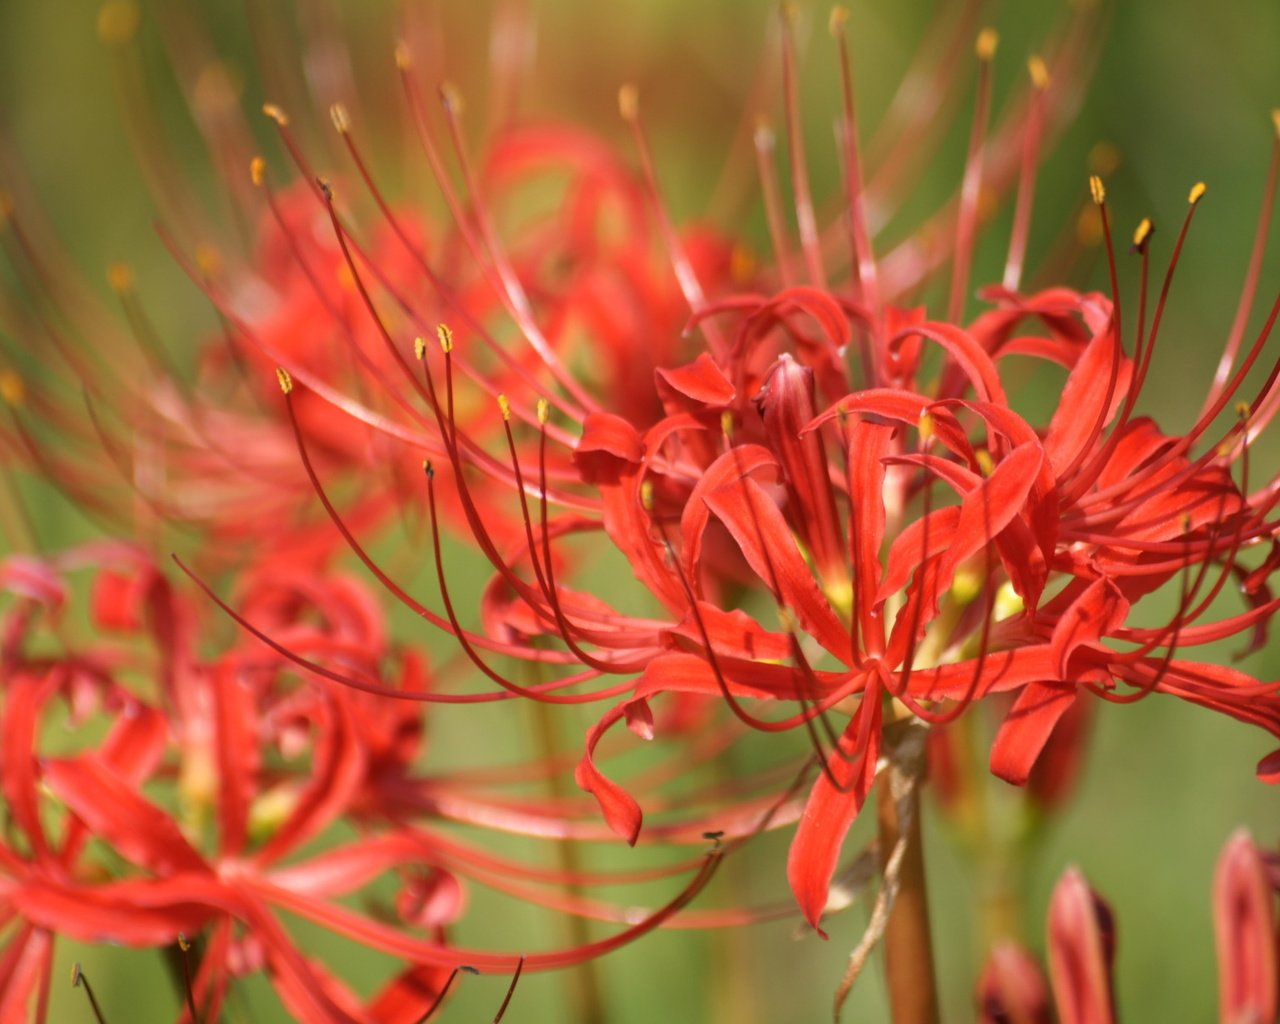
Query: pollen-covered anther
[[726, 424], [429, 469], [1142, 234], [1097, 190], [120, 278], [629, 102], [837, 19], [419, 348], [1243, 410], [987, 43], [1039, 72], [404, 59], [276, 114], [504, 406], [445, 336], [284, 379], [1197, 192], [544, 410], [1275, 120], [646, 495], [257, 171], [985, 462], [340, 118]]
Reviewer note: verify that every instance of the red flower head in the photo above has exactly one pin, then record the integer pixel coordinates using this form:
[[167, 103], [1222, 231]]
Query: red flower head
[[838, 509]]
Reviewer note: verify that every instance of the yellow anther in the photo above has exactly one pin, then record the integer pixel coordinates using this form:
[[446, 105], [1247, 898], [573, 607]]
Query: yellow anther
[[726, 424], [276, 114], [505, 407], [118, 21], [646, 494], [926, 425], [340, 118], [429, 469], [419, 348], [742, 264], [1097, 190], [404, 59], [75, 975], [1197, 192], [629, 102], [445, 336], [1275, 121], [183, 943], [1039, 71], [257, 171], [985, 47], [1142, 233], [120, 278], [837, 19], [1243, 410], [12, 390], [985, 462], [789, 13], [286, 381], [544, 410]]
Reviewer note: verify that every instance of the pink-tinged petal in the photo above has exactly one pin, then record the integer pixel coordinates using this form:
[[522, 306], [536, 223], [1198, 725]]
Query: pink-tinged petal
[[1080, 415], [120, 815], [609, 447], [1244, 925], [829, 812], [1081, 941], [621, 812], [765, 540], [1027, 728], [701, 382], [1012, 989], [33, 579], [639, 718]]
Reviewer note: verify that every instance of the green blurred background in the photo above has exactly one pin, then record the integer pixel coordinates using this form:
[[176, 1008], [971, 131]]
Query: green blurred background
[[1182, 88]]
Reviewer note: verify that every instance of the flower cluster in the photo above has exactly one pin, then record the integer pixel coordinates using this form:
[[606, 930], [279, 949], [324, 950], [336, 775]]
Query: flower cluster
[[839, 529]]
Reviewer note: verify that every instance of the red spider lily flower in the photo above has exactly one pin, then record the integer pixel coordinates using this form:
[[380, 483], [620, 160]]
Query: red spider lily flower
[[822, 518], [209, 809]]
